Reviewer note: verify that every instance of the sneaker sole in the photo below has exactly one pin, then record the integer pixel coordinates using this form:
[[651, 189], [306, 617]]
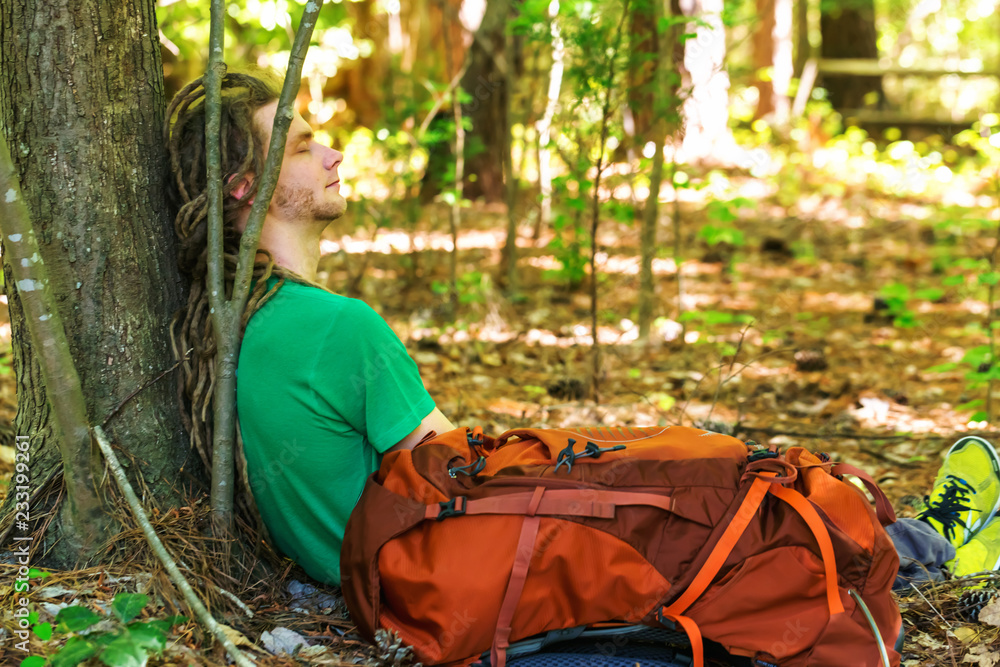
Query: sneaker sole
[[996, 470]]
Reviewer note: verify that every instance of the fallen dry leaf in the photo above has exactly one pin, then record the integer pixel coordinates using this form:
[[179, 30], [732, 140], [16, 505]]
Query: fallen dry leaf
[[965, 634], [990, 614], [982, 656], [238, 638]]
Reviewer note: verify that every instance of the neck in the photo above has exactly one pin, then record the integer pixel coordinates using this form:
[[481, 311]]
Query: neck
[[293, 246]]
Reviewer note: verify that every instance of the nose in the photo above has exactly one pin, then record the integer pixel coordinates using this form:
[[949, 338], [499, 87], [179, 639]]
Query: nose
[[333, 158]]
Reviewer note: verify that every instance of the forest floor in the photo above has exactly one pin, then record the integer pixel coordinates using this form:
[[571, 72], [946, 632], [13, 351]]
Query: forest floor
[[819, 365]]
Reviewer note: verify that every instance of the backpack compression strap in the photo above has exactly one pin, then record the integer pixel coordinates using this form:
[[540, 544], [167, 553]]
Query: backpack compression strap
[[515, 584], [715, 561], [762, 485], [883, 508]]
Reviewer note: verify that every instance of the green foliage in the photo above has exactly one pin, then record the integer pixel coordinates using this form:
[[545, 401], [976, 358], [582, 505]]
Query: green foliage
[[472, 287], [128, 643], [898, 299], [715, 317]]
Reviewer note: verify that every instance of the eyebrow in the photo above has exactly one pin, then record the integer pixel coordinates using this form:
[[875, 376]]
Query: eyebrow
[[302, 136]]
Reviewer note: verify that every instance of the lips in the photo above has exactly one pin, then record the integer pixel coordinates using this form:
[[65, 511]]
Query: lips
[[336, 182]]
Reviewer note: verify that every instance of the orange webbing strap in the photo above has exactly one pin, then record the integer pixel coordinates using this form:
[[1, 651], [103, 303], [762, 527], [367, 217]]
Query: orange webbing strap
[[883, 508], [515, 585], [569, 502], [694, 636], [716, 559], [818, 528], [723, 547]]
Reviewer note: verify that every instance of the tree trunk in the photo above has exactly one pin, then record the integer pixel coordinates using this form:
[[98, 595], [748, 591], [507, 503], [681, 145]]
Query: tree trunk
[[849, 32], [484, 82], [81, 103], [544, 125], [803, 49], [640, 118], [772, 51], [663, 101], [704, 78]]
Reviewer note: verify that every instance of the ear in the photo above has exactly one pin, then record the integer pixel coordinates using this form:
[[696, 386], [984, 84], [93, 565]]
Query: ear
[[241, 188]]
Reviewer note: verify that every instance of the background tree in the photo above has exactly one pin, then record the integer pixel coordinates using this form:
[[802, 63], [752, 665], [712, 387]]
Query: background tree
[[82, 110], [848, 29], [772, 49]]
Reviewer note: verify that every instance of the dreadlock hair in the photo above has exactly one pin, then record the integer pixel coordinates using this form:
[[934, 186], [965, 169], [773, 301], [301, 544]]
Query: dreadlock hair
[[192, 337], [243, 151]]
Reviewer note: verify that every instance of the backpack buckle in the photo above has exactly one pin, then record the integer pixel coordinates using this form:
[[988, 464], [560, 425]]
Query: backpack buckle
[[448, 508], [761, 454]]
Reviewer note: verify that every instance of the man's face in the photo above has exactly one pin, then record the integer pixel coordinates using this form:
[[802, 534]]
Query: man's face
[[308, 188]]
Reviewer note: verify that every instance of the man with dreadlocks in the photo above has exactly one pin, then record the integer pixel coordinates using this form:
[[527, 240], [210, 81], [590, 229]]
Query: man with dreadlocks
[[324, 386]]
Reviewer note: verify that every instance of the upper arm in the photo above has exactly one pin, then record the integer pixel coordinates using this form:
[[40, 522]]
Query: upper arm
[[435, 421]]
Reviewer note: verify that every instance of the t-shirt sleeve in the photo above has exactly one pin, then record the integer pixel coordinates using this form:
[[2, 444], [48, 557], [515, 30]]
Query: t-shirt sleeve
[[366, 375]]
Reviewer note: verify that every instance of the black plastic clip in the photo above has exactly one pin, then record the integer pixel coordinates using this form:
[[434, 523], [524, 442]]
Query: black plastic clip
[[762, 454], [567, 456], [472, 469], [448, 508], [664, 621]]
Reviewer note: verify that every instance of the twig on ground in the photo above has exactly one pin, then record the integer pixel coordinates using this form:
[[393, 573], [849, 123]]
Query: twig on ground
[[848, 435], [930, 604], [732, 362], [161, 552]]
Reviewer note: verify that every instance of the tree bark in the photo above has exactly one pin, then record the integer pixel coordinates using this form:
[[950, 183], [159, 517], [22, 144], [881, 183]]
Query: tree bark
[[663, 107], [81, 105], [772, 50], [849, 32], [484, 82]]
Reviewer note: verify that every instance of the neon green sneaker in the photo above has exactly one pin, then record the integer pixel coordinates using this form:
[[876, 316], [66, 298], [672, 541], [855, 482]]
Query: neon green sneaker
[[981, 554], [966, 492]]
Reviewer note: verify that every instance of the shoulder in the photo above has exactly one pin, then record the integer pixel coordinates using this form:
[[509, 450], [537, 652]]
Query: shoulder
[[311, 310]]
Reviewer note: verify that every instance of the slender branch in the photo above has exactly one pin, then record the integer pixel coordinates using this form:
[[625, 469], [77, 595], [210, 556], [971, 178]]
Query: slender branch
[[596, 350], [991, 309], [213, 158], [223, 322], [45, 327], [732, 363], [675, 216], [226, 315], [438, 103], [275, 152], [455, 219], [544, 125], [161, 552], [510, 180]]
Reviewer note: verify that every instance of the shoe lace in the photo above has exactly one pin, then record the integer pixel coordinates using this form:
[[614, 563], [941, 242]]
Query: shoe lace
[[953, 500]]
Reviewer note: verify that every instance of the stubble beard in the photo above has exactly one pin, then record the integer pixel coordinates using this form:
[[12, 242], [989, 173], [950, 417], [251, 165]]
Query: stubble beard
[[300, 204]]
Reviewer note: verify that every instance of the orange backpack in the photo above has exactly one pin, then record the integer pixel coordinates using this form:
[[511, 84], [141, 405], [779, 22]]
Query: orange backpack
[[468, 543]]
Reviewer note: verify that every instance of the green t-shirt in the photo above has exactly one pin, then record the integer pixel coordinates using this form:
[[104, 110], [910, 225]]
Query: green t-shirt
[[323, 387]]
